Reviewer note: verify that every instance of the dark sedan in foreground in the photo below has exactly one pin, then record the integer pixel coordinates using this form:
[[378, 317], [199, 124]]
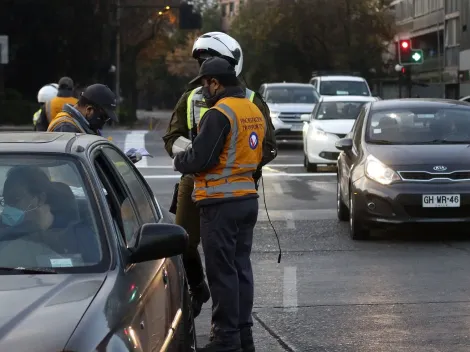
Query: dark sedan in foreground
[[88, 260], [405, 161]]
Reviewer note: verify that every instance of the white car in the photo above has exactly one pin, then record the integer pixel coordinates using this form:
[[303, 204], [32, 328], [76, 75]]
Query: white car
[[332, 119], [287, 102], [340, 85]]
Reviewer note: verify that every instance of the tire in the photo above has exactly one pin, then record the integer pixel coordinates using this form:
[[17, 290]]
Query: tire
[[357, 230], [311, 167], [341, 208], [305, 160], [187, 341]]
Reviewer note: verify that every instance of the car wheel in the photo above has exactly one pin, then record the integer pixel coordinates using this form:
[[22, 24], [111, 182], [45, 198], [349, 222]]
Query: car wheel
[[187, 336], [341, 208], [357, 231], [311, 167]]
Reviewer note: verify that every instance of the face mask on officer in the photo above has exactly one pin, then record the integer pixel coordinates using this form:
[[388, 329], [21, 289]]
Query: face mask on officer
[[21, 207], [95, 117], [210, 91]]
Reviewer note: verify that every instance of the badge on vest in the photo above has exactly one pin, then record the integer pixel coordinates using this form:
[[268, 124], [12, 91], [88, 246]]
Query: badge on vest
[[253, 140], [200, 104]]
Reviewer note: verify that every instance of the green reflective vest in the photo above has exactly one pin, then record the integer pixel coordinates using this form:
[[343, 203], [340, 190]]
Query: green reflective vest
[[36, 116], [196, 106]]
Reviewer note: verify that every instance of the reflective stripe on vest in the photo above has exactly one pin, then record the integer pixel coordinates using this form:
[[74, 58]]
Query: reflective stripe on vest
[[194, 112], [62, 118], [233, 176], [55, 105]]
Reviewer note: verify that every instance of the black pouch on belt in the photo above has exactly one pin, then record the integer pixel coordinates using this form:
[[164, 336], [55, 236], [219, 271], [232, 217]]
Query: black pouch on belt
[[174, 199]]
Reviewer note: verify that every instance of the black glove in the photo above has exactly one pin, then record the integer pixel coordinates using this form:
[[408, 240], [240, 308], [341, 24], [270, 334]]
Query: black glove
[[257, 176]]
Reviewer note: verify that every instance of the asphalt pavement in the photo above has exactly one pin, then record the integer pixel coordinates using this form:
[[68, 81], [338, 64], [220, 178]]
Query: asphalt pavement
[[401, 291]]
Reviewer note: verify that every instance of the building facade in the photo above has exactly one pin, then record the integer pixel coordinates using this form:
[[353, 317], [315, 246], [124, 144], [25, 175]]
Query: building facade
[[433, 26], [464, 73], [229, 8]]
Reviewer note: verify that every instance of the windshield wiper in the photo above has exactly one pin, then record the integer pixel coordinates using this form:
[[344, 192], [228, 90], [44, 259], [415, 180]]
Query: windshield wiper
[[381, 141], [22, 270], [445, 141]]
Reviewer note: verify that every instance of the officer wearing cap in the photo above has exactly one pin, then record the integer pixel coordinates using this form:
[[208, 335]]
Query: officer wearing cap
[[56, 104], [223, 157], [97, 105]]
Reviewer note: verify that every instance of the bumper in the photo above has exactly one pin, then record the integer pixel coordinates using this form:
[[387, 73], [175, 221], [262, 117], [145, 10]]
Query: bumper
[[292, 131], [401, 203], [322, 151]]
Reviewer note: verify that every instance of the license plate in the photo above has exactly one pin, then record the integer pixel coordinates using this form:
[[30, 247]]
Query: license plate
[[441, 200], [297, 127]]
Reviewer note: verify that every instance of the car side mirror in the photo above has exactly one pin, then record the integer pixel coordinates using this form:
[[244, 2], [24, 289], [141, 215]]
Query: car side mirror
[[157, 241], [305, 117], [344, 144]]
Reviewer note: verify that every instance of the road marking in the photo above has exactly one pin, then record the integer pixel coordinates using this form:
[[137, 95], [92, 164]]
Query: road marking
[[300, 214], [136, 139], [270, 167], [277, 188], [286, 165], [289, 297], [290, 220], [280, 174], [324, 186]]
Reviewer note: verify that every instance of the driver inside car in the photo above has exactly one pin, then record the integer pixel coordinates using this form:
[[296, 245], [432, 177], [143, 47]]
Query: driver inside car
[[36, 215]]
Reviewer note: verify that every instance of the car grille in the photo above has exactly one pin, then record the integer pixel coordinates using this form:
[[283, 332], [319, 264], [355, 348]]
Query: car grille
[[290, 117], [428, 176], [417, 211]]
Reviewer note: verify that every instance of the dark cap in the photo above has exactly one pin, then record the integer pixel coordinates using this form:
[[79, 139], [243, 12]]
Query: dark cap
[[103, 97], [214, 66], [66, 83]]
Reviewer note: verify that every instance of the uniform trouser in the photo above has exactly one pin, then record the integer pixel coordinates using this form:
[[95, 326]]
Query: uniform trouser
[[227, 238], [187, 216]]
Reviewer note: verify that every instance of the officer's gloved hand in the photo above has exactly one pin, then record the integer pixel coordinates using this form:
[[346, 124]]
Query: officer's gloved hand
[[256, 177]]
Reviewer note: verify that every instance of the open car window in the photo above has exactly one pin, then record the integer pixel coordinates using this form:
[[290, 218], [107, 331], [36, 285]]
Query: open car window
[[43, 222]]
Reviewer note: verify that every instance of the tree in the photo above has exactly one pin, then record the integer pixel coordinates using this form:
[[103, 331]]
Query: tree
[[287, 39]]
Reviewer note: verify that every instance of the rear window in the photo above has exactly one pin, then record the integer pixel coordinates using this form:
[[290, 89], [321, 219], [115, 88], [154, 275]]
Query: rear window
[[344, 88], [339, 110], [47, 216], [420, 125], [292, 95]]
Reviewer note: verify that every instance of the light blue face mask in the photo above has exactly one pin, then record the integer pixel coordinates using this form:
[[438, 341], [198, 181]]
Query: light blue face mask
[[12, 216]]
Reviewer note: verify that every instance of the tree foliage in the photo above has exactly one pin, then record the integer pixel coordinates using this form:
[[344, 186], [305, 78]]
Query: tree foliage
[[287, 40]]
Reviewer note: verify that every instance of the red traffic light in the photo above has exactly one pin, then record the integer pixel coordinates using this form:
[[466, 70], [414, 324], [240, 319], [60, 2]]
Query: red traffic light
[[405, 44], [403, 70]]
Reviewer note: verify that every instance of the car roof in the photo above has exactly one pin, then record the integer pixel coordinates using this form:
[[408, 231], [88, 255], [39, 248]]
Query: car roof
[[288, 84], [342, 78], [44, 142], [359, 98], [417, 102]]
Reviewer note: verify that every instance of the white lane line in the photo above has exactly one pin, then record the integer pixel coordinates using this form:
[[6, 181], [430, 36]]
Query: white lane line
[[286, 165], [300, 214], [136, 139], [324, 186], [289, 297], [290, 220], [277, 188], [280, 174], [169, 167]]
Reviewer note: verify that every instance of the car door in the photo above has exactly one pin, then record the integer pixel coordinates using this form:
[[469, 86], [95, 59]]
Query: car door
[[148, 281], [349, 159]]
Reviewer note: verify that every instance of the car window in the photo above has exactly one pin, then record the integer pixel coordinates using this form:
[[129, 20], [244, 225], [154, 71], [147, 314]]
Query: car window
[[42, 222], [420, 125], [357, 128], [138, 192], [292, 95], [344, 88], [338, 110]]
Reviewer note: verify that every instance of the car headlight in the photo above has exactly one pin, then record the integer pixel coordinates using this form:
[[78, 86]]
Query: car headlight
[[318, 133], [275, 115], [379, 172]]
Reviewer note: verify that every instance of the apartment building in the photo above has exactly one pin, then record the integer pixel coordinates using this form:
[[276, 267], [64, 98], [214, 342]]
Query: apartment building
[[433, 26], [230, 9], [464, 73]]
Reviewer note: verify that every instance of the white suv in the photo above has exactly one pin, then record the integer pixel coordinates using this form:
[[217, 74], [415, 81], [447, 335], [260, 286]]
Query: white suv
[[341, 85]]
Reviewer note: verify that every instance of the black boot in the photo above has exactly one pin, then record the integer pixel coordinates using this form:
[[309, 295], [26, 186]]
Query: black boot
[[246, 337], [200, 294]]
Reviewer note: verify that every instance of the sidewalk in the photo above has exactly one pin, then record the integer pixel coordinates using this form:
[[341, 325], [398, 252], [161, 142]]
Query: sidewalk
[[151, 120]]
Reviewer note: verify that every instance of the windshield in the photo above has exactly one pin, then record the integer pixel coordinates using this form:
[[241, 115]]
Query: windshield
[[420, 125], [292, 95], [46, 216], [344, 88], [339, 110]]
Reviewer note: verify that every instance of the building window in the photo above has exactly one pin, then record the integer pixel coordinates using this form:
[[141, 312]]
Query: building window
[[231, 9], [224, 10]]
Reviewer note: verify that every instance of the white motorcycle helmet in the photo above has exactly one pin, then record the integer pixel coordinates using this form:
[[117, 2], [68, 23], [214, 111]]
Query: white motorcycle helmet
[[219, 44], [47, 92]]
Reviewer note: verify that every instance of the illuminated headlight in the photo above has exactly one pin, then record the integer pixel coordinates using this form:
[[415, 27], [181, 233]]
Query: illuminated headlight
[[379, 172]]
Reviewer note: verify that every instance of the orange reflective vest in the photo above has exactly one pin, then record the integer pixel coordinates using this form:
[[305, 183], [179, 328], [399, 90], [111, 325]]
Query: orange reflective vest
[[63, 117], [55, 105], [242, 152]]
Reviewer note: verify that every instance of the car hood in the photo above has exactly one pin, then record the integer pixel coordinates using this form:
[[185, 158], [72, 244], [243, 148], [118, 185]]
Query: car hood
[[424, 157], [40, 312], [335, 126], [295, 108]]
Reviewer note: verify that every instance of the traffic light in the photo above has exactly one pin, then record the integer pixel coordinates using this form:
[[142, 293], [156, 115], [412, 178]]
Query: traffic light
[[189, 19], [404, 51]]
